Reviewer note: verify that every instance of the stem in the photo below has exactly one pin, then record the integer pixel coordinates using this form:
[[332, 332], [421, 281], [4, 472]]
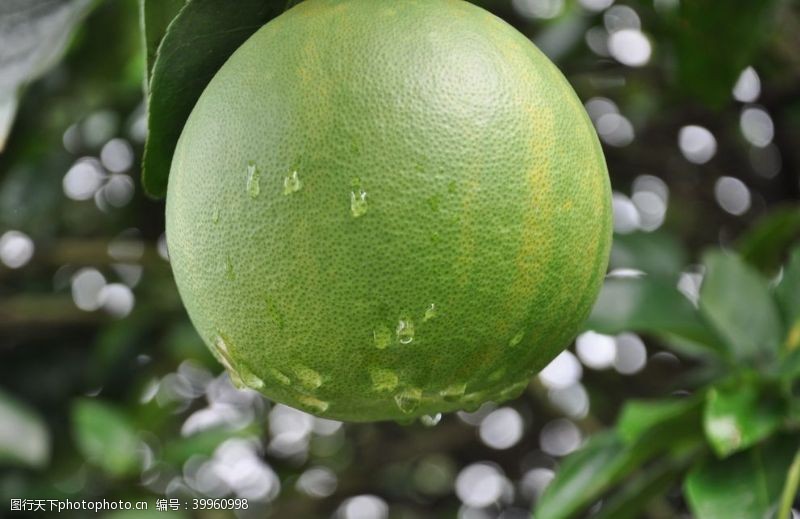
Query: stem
[[790, 488]]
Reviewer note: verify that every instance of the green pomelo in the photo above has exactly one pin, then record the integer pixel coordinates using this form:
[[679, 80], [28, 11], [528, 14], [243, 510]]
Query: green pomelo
[[385, 209]]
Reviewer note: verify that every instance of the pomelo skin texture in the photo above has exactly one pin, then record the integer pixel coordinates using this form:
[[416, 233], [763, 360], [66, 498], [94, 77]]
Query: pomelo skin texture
[[385, 209]]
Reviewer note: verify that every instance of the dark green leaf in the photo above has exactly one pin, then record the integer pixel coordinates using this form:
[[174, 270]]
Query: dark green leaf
[[651, 483], [744, 486], [788, 295], [736, 301], [154, 17], [640, 417], [739, 415], [34, 35], [203, 443], [715, 41], [764, 244], [652, 305], [585, 475], [656, 253], [105, 437], [198, 41], [24, 438]]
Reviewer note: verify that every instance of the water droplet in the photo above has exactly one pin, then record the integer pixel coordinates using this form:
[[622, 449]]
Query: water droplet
[[408, 400], [513, 391], [358, 203], [280, 376], [215, 214], [496, 375], [383, 379], [516, 339], [405, 331], [453, 392], [249, 378], [223, 355], [472, 401], [274, 314], [430, 313], [253, 176], [314, 405], [307, 377], [292, 184], [429, 420], [382, 337], [433, 202], [230, 274]]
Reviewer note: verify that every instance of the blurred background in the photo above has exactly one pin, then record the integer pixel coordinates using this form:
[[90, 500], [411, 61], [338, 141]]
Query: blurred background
[[106, 391]]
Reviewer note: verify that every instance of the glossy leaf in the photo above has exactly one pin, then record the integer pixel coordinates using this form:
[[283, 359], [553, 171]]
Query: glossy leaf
[[652, 305], [34, 35], [196, 44], [746, 485], [736, 301], [655, 253], [788, 295], [24, 438], [651, 483], [105, 437], [640, 417], [764, 244], [737, 416], [586, 474], [154, 18]]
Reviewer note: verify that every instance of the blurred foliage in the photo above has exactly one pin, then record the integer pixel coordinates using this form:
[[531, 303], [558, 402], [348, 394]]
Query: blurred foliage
[[106, 392]]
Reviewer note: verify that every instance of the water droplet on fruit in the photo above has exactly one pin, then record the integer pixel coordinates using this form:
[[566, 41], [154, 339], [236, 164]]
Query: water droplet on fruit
[[230, 274], [250, 379], [383, 379], [496, 375], [315, 405], [513, 391], [292, 183], [253, 177], [382, 337], [222, 354], [429, 420], [307, 377], [430, 313], [280, 376], [472, 401], [215, 214], [358, 203], [453, 392], [516, 339], [274, 314], [408, 400], [405, 331]]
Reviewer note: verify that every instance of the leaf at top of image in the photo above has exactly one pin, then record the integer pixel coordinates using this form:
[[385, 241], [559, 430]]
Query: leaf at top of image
[[33, 36], [196, 44], [714, 42]]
